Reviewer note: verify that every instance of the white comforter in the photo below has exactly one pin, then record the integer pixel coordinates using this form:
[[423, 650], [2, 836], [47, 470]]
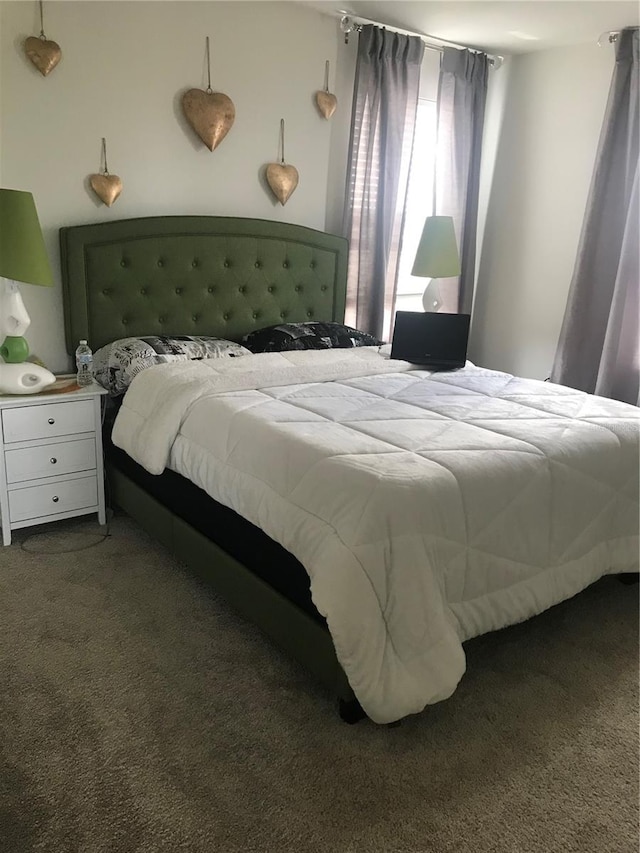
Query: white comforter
[[427, 507]]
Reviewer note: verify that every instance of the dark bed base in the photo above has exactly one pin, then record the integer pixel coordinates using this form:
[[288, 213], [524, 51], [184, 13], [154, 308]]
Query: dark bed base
[[236, 536], [350, 711], [296, 632]]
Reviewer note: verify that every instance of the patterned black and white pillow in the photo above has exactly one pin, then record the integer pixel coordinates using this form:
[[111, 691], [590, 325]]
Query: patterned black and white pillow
[[311, 335], [115, 364]]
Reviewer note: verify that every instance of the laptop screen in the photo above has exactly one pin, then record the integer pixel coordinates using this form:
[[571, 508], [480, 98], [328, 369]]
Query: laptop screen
[[438, 340]]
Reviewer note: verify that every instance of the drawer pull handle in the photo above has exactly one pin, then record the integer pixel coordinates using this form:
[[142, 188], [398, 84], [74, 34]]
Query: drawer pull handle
[[51, 421], [53, 460], [55, 499]]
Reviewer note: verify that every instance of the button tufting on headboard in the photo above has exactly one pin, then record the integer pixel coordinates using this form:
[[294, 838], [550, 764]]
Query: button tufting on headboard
[[256, 273]]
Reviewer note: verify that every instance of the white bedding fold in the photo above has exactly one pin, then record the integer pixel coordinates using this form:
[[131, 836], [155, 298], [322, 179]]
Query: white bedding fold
[[150, 418], [426, 508]]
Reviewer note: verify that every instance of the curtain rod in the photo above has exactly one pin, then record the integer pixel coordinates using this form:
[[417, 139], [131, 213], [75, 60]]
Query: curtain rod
[[611, 36], [351, 23]]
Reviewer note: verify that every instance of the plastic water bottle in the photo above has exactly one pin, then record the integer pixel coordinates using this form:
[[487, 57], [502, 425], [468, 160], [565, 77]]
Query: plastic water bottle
[[84, 365]]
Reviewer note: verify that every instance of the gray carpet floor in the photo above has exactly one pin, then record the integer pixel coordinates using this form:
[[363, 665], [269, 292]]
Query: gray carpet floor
[[139, 713]]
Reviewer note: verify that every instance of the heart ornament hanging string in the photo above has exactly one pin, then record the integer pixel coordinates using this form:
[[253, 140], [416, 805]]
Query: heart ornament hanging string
[[326, 102], [211, 114], [107, 187], [281, 178], [44, 54]]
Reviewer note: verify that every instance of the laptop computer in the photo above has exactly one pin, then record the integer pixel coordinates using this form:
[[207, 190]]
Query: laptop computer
[[438, 341]]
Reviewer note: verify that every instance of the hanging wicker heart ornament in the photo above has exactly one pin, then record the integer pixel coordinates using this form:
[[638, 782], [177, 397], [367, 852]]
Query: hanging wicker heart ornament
[[106, 187], [283, 180], [210, 114], [44, 54], [327, 103]]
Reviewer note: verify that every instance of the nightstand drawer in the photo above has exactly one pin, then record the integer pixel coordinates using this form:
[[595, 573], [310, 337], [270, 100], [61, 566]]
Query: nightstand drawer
[[50, 460], [64, 496], [48, 420]]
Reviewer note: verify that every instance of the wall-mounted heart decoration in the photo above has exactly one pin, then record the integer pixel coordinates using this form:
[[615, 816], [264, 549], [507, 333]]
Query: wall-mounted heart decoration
[[44, 54], [326, 102], [210, 114], [107, 187], [282, 179]]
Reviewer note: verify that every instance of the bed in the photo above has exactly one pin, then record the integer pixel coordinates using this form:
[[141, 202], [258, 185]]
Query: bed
[[295, 482]]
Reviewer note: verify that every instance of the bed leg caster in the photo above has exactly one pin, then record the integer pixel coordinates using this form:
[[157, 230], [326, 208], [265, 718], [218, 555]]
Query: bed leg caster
[[628, 578], [350, 711]]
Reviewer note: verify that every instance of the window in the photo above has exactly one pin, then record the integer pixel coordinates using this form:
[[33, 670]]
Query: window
[[419, 205]]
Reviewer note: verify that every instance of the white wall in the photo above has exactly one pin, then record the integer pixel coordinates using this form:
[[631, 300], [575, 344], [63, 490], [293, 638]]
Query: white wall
[[124, 68], [550, 120]]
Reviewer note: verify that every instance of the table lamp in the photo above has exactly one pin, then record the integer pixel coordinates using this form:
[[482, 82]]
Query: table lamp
[[23, 259], [436, 257]]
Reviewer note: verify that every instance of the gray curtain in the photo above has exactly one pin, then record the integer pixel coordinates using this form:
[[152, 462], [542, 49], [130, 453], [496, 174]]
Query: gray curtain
[[462, 93], [385, 101], [598, 349]]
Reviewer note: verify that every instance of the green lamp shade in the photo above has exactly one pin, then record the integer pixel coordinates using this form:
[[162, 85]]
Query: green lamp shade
[[23, 256], [437, 255]]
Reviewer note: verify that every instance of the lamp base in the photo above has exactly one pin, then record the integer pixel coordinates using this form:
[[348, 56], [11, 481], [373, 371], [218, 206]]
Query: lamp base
[[24, 378], [14, 350], [432, 298]]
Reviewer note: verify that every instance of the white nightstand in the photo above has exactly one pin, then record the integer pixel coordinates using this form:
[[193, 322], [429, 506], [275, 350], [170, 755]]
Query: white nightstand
[[50, 458]]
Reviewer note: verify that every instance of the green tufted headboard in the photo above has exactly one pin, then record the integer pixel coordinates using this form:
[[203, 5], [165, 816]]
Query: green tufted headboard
[[196, 275]]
